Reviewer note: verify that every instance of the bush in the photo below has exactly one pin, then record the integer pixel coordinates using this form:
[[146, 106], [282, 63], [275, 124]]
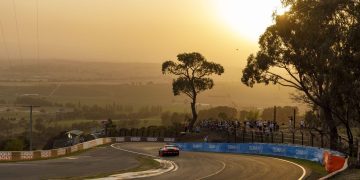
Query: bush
[[14, 145]]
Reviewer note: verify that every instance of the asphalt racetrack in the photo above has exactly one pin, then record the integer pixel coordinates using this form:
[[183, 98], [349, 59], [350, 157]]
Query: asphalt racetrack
[[191, 165], [95, 161], [200, 165]]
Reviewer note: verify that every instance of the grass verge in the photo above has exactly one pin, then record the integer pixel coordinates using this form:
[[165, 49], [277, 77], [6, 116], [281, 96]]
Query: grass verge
[[317, 170]]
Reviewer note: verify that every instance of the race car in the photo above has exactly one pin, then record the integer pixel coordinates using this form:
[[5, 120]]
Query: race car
[[169, 150]]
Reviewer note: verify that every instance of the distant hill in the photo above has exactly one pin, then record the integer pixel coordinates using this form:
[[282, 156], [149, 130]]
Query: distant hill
[[73, 71], [129, 83], [81, 71]]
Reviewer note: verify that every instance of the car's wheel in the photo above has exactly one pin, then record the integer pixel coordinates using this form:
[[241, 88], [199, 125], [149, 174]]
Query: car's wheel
[[160, 153]]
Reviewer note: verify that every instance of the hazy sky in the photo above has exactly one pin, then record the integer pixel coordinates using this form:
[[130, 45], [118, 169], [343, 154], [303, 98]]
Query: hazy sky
[[133, 30]]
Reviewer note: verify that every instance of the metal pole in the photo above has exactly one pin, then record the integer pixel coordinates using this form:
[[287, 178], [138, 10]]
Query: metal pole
[[358, 153], [322, 140], [293, 138], [30, 125], [294, 117], [243, 136], [312, 139], [252, 136], [235, 133], [30, 136]]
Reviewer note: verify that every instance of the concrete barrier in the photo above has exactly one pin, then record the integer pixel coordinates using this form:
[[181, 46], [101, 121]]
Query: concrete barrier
[[120, 139], [333, 161], [26, 155], [44, 154], [151, 139], [283, 150], [135, 139], [5, 156], [61, 151]]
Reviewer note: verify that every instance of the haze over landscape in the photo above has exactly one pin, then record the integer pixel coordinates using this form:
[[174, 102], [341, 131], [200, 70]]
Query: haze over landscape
[[234, 89], [133, 30], [70, 41]]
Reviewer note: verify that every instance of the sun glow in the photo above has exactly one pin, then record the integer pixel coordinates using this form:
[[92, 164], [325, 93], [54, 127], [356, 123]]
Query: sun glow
[[249, 18]]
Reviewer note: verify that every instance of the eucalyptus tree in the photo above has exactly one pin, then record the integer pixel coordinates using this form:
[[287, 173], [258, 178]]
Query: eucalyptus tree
[[193, 75], [305, 49]]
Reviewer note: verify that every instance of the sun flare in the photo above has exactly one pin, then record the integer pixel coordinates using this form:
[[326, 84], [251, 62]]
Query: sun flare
[[248, 18]]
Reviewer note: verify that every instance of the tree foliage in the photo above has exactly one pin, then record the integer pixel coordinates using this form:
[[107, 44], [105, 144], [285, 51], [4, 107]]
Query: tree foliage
[[14, 145], [219, 112], [193, 73], [313, 49]]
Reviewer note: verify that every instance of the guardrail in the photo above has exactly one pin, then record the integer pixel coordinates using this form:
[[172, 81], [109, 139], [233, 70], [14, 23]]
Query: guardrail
[[45, 154]]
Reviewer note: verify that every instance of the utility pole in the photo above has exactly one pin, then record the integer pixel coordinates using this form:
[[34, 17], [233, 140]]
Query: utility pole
[[30, 134], [294, 117]]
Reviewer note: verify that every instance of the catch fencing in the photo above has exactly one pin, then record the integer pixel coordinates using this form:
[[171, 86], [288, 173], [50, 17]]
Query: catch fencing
[[298, 137]]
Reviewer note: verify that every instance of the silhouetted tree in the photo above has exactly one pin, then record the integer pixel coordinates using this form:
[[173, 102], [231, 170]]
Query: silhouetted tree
[[305, 49], [192, 72]]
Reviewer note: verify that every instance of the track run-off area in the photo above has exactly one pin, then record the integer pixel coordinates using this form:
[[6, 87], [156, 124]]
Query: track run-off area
[[121, 156]]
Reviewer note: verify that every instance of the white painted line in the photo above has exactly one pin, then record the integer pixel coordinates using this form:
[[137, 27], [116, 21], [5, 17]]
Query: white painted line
[[167, 166], [71, 158], [215, 173], [144, 154], [303, 169], [134, 152]]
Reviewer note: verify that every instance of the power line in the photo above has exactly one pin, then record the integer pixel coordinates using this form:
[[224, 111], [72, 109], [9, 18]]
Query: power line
[[4, 43], [17, 31], [37, 31]]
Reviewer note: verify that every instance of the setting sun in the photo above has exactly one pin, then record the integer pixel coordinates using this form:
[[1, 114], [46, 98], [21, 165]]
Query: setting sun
[[247, 18]]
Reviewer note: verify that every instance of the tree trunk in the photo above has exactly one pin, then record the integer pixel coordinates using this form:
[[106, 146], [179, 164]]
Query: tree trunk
[[332, 128], [350, 138], [194, 114]]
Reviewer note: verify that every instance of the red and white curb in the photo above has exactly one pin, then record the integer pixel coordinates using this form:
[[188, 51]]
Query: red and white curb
[[166, 166], [336, 172]]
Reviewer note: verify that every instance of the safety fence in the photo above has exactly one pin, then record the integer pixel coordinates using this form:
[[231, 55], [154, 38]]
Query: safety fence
[[45, 154], [299, 152], [332, 160], [303, 137], [298, 137]]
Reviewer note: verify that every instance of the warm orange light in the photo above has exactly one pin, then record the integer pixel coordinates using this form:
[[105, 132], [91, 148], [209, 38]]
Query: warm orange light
[[249, 18]]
